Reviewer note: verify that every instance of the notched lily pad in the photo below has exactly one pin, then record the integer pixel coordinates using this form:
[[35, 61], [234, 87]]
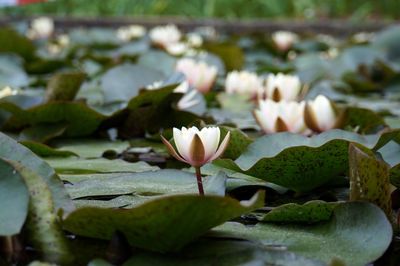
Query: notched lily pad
[[302, 163], [164, 224], [310, 212]]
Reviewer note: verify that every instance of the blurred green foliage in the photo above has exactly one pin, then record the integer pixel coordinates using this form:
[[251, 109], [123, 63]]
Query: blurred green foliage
[[230, 9]]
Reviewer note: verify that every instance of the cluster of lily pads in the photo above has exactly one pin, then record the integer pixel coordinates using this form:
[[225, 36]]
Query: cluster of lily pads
[[104, 132]]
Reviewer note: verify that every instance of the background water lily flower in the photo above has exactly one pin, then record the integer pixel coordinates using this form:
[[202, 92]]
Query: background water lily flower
[[198, 74], [281, 116], [320, 115], [243, 82], [197, 147], [178, 48], [282, 87], [41, 28], [165, 35], [284, 40], [128, 33]]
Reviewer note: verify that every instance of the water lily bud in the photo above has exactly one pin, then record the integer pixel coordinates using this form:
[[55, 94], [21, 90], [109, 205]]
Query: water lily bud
[[7, 91], [282, 87], [128, 33], [320, 115], [165, 35], [284, 39], [41, 28], [197, 147], [198, 74], [243, 82], [281, 116]]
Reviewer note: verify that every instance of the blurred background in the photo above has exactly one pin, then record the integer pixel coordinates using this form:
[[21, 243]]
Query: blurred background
[[354, 10]]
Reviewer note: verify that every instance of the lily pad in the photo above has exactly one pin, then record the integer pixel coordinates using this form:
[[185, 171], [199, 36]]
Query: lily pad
[[12, 150], [357, 234], [73, 165], [149, 183], [14, 210], [302, 163], [64, 86], [124, 82], [153, 224], [310, 212]]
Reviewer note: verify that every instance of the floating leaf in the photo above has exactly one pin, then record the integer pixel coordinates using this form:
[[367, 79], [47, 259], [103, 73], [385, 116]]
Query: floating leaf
[[369, 178], [64, 86], [43, 150], [11, 150], [14, 209], [357, 234], [302, 163], [153, 224], [310, 212]]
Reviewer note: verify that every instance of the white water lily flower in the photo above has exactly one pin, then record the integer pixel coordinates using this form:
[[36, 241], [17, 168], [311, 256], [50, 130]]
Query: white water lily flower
[[282, 87], [197, 147], [194, 40], [178, 48], [243, 82], [320, 115], [165, 35], [198, 74], [130, 32], [284, 39], [7, 91], [42, 27], [281, 116]]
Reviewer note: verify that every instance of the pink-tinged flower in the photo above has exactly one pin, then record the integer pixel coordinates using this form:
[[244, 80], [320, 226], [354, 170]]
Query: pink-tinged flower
[[282, 87], [165, 35], [320, 115], [198, 74], [281, 116], [284, 40], [197, 147], [243, 82]]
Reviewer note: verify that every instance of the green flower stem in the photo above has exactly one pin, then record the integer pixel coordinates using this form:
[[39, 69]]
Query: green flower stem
[[199, 181]]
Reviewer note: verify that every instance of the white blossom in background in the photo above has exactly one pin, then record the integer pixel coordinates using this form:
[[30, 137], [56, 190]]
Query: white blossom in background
[[130, 32], [243, 82], [165, 35], [176, 49], [363, 37], [320, 114], [194, 40], [63, 40], [198, 73], [284, 40], [41, 28], [282, 87], [281, 116], [7, 91]]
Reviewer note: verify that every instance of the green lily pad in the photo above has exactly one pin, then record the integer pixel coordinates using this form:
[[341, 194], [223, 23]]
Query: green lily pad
[[231, 54], [238, 142], [124, 82], [42, 223], [90, 148], [369, 178], [357, 234], [149, 183], [302, 163], [153, 224], [74, 114], [12, 150], [14, 210], [12, 72], [43, 150], [310, 212], [73, 165], [13, 42], [64, 86]]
